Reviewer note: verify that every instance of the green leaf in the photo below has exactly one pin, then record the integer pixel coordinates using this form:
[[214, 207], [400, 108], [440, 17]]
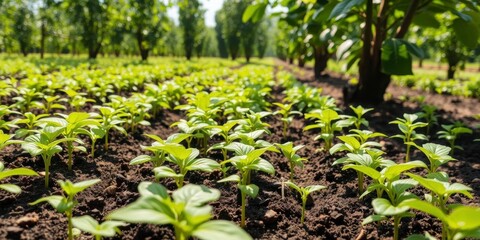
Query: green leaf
[[384, 207], [373, 218], [250, 189], [195, 195], [343, 8], [203, 164], [231, 178], [17, 172], [90, 225], [149, 189], [374, 174], [254, 12], [424, 207], [396, 59], [164, 171], [467, 32], [220, 229], [140, 159], [12, 188]]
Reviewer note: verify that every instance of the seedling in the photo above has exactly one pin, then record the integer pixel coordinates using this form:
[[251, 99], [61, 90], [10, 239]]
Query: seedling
[[451, 133], [436, 154], [304, 192], [51, 103], [462, 221], [95, 133], [388, 181], [289, 151], [223, 131], [247, 159], [407, 126], [186, 210], [186, 160], [358, 120], [157, 149], [4, 173], [90, 225], [73, 124], [110, 118], [65, 204], [46, 144], [329, 122], [31, 120], [429, 115], [286, 112]]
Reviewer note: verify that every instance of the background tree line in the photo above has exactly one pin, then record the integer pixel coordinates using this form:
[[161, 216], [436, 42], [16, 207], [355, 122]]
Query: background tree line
[[129, 27]]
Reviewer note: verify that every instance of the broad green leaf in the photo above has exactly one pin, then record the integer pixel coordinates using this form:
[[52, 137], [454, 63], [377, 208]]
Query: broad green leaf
[[343, 8], [467, 32], [90, 225], [140, 159], [148, 189], [12, 188], [373, 218], [396, 59], [231, 178], [195, 195], [384, 207], [17, 172], [220, 229], [374, 174], [251, 189]]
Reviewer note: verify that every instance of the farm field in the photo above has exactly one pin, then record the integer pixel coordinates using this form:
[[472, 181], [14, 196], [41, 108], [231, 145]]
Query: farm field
[[227, 125]]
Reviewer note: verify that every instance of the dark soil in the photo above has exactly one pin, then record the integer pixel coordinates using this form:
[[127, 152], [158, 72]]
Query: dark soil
[[333, 213]]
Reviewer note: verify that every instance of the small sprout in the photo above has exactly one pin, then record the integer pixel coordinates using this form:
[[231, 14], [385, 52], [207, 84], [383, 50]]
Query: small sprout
[[66, 204], [187, 210], [286, 112], [437, 155], [407, 126], [359, 120], [430, 116], [289, 151], [329, 122], [304, 192], [451, 133], [90, 225]]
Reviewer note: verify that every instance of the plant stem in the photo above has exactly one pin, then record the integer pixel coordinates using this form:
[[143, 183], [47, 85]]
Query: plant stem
[[244, 200], [106, 142], [396, 223], [304, 203], [360, 182], [70, 155], [93, 149], [70, 225], [292, 171], [407, 156], [47, 169]]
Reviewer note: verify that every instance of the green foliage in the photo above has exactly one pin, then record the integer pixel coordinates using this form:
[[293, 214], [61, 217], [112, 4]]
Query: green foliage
[[187, 210], [430, 116], [4, 173], [407, 126], [358, 120], [451, 133], [286, 112], [246, 160], [45, 143], [329, 122], [437, 155], [65, 204], [304, 193], [110, 118], [289, 151], [90, 225], [186, 160]]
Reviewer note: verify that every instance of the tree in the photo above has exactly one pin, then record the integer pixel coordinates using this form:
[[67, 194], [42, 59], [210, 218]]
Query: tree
[[23, 21], [232, 27], [261, 42], [91, 16], [192, 22], [222, 45], [148, 21]]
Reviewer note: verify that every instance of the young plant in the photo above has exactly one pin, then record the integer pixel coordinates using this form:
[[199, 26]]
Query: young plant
[[51, 103], [247, 159], [65, 204], [77, 99], [451, 133], [438, 183], [4, 173], [157, 149], [6, 125], [110, 118], [95, 133], [46, 144], [289, 151], [30, 121], [436, 154], [253, 122], [187, 210], [407, 126], [186, 160], [460, 223], [329, 122], [430, 116], [286, 112], [304, 192], [90, 225], [223, 131], [358, 120], [388, 181], [73, 124]]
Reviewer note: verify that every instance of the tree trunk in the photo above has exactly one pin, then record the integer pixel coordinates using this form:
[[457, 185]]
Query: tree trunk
[[420, 63], [321, 60], [144, 54], [301, 61], [290, 60], [451, 70], [42, 40]]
